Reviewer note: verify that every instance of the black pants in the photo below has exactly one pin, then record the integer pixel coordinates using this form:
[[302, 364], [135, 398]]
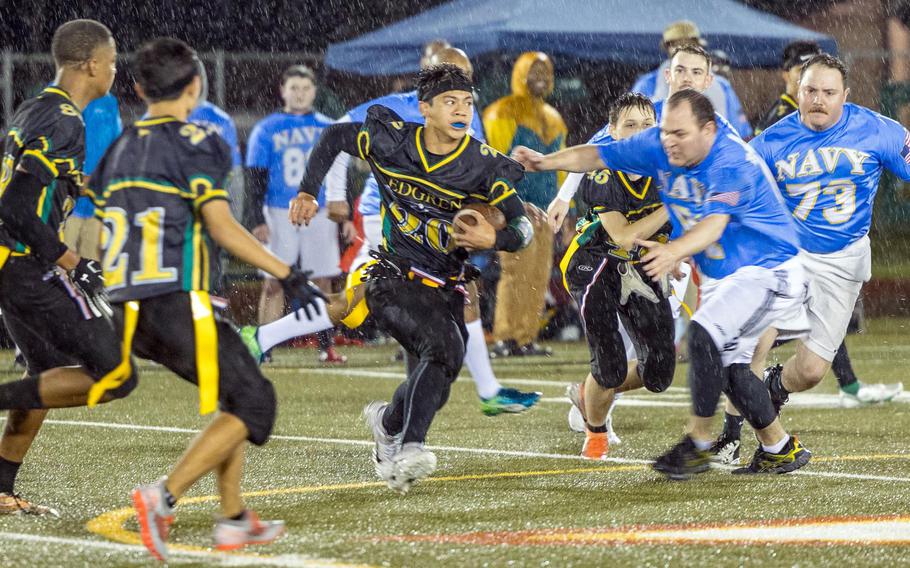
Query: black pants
[[595, 284], [429, 325], [50, 322], [165, 333]]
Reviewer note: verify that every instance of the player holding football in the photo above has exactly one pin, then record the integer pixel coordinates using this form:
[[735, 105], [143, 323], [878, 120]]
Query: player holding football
[[721, 201], [415, 292], [494, 398], [160, 189]]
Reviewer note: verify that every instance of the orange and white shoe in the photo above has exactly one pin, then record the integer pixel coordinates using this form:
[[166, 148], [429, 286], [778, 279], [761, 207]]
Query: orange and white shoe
[[15, 504], [233, 534], [596, 447], [155, 517]]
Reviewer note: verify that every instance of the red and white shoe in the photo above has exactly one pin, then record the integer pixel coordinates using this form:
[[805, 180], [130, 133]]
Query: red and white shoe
[[231, 534], [332, 357], [155, 517]]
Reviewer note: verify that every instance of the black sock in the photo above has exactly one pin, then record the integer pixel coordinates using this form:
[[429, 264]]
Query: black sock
[[326, 339], [239, 516], [842, 367], [596, 429], [171, 500], [733, 426], [21, 395], [8, 471]]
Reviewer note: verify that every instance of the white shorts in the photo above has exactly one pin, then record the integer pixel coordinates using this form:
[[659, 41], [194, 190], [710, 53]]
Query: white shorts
[[835, 280], [736, 310], [315, 245]]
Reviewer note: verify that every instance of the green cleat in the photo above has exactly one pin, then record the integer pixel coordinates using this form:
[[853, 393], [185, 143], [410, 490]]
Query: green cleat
[[508, 400], [248, 334]]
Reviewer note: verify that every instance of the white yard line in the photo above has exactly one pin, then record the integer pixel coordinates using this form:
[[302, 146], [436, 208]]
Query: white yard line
[[459, 449], [287, 560]]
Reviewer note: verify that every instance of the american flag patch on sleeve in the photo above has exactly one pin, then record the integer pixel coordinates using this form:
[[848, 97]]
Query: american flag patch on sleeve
[[730, 198], [905, 151]]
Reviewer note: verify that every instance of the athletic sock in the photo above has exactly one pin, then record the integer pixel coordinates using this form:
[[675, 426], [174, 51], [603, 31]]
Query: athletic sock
[[238, 517], [326, 339], [596, 429], [8, 472], [702, 445], [733, 426], [21, 395], [776, 448], [843, 370], [477, 360], [293, 325], [171, 500]]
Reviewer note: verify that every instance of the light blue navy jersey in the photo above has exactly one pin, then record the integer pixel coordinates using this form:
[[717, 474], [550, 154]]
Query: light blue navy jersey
[[102, 126], [405, 106], [217, 121], [732, 180], [281, 143], [828, 179]]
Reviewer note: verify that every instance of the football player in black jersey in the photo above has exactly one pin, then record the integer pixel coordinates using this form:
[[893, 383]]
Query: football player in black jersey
[[426, 174], [160, 192], [52, 300], [795, 54], [601, 271]]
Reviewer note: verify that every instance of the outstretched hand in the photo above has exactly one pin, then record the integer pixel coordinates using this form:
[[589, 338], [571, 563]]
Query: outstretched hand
[[528, 158]]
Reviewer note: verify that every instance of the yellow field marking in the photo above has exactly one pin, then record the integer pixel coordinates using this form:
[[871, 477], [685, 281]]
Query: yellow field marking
[[871, 457], [110, 524]]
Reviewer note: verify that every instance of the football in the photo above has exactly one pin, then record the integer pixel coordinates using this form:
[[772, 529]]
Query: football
[[492, 215]]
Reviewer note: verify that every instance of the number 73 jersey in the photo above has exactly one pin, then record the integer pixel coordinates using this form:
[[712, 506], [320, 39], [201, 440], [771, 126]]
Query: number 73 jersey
[[828, 179], [149, 190]]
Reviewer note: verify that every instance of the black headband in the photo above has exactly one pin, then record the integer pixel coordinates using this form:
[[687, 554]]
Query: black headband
[[176, 87], [453, 83]]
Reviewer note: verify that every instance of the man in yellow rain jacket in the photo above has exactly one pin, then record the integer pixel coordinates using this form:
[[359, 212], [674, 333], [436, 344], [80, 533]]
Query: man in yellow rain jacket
[[525, 119]]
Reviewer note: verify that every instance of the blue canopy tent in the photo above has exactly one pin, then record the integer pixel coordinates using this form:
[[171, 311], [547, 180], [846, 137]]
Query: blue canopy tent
[[605, 30]]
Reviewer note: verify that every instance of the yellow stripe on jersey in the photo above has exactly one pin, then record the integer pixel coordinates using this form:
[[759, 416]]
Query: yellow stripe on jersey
[[363, 144], [418, 180], [51, 167], [206, 336], [154, 121], [625, 181], [448, 159], [60, 92], [123, 371], [210, 194]]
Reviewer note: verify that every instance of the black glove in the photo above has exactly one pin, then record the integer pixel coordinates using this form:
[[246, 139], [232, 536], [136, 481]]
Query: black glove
[[301, 293], [88, 277]]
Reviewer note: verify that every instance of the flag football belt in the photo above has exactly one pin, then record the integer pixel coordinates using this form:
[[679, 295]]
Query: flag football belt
[[391, 266], [6, 253]]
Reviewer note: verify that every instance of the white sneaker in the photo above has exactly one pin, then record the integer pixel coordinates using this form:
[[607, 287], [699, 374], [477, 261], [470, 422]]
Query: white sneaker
[[232, 535], [577, 419], [871, 393], [386, 445], [410, 465], [612, 437], [154, 516]]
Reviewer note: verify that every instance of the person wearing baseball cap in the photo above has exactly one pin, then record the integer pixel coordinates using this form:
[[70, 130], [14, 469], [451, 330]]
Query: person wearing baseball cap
[[795, 54]]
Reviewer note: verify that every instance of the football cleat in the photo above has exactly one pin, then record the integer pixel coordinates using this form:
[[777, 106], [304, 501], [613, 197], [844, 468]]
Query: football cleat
[[596, 447], [870, 393], [386, 445], [234, 534], [331, 357], [250, 336], [683, 461], [792, 457], [575, 394], [154, 516], [772, 378], [409, 466], [508, 400], [14, 504], [725, 449]]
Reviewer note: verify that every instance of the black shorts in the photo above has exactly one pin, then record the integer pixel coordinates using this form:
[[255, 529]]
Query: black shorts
[[51, 324], [166, 332], [594, 281]]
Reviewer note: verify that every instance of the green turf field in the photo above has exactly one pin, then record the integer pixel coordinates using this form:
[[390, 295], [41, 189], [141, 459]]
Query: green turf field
[[509, 490]]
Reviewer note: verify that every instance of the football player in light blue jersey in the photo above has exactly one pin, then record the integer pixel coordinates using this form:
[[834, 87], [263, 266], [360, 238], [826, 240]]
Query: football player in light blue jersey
[[277, 153], [721, 200], [494, 398], [827, 159]]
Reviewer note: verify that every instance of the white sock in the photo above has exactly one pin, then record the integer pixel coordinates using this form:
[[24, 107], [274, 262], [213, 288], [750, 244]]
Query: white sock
[[703, 445], [295, 324], [477, 359], [776, 448]]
